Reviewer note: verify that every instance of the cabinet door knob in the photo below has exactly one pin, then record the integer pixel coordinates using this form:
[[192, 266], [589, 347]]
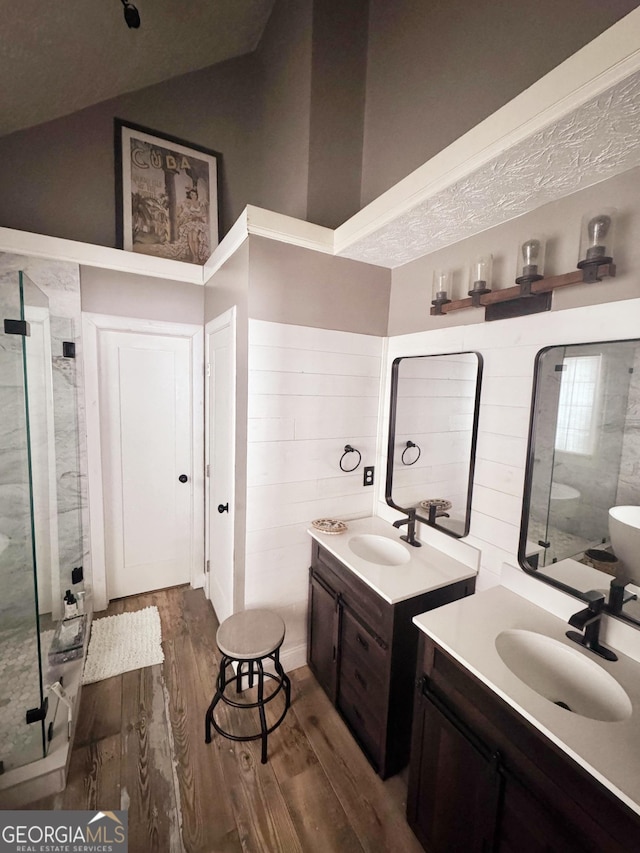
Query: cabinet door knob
[[183, 478], [223, 507]]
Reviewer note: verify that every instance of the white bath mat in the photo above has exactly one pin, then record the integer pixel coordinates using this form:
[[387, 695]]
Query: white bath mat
[[122, 643]]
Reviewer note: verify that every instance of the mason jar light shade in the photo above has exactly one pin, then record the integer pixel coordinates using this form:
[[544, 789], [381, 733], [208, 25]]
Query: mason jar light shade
[[480, 274], [530, 264], [441, 284], [597, 237]]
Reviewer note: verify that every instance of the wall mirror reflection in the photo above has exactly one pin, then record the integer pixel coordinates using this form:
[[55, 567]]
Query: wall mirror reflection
[[432, 437], [581, 514]]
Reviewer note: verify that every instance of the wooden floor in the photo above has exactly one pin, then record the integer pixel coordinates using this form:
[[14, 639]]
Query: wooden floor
[[140, 745]]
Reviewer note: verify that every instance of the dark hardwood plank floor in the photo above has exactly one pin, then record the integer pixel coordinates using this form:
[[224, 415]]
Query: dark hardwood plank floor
[[140, 745]]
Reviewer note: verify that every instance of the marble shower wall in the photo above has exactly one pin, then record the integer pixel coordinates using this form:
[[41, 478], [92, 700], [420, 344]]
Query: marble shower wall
[[60, 282], [16, 583]]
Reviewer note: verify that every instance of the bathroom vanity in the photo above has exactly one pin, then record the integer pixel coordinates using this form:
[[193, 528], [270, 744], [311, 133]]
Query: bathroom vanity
[[497, 763], [365, 587]]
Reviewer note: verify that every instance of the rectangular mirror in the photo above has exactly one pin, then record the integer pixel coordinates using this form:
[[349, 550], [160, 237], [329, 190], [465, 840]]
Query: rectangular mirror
[[582, 472], [433, 424]]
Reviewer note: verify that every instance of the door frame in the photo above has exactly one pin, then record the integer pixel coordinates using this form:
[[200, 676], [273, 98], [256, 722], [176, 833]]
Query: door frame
[[225, 320], [92, 325]]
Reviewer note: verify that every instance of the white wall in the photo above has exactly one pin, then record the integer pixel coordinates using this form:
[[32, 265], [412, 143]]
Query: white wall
[[311, 391], [508, 348]]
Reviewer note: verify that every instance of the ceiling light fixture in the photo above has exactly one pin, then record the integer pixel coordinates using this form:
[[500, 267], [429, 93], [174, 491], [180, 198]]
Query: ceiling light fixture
[[131, 15]]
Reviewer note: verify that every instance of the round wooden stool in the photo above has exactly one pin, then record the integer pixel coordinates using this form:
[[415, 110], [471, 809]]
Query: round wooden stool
[[247, 639]]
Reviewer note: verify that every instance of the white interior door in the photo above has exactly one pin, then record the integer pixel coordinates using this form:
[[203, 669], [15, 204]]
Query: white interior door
[[145, 413], [220, 458]]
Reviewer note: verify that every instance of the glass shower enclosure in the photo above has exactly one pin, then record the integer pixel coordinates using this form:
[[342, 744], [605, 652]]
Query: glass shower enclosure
[[29, 562]]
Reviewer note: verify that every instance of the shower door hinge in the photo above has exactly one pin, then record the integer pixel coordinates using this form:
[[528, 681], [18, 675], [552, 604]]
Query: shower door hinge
[[36, 714], [208, 566], [17, 327]]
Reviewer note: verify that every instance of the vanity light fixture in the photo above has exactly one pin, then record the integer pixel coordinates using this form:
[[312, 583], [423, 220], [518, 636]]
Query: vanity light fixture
[[441, 288], [531, 253], [131, 15], [480, 274], [533, 290], [596, 243]]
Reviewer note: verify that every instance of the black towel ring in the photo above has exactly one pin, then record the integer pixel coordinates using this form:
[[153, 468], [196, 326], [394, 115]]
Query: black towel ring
[[349, 449], [410, 444]]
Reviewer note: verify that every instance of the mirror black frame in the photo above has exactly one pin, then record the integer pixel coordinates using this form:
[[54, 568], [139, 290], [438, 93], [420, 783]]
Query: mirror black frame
[[392, 432], [528, 479]]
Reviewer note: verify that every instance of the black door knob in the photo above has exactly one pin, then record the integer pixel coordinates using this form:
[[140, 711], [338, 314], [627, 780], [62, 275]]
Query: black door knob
[[183, 478], [223, 507]]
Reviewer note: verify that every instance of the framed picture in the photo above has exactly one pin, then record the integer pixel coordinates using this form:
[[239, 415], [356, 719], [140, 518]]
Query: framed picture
[[166, 195]]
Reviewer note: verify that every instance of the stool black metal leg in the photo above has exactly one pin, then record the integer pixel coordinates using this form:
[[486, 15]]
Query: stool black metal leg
[[220, 684], [251, 669], [209, 716], [263, 718], [285, 679]]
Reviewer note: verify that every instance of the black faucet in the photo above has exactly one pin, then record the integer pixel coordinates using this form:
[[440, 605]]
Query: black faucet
[[410, 521], [588, 620], [434, 513], [617, 596]]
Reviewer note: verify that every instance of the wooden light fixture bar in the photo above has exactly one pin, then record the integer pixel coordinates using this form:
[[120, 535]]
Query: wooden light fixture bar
[[509, 294]]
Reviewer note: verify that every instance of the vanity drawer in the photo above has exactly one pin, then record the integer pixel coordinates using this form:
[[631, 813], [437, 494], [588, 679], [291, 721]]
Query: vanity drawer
[[361, 599], [363, 665], [362, 647], [365, 721]]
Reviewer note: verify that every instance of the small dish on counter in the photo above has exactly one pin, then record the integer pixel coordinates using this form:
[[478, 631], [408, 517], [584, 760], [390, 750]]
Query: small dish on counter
[[329, 525], [441, 504]]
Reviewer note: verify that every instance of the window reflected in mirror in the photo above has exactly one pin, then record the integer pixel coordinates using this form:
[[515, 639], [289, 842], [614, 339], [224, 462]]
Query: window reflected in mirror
[[583, 471], [432, 434]]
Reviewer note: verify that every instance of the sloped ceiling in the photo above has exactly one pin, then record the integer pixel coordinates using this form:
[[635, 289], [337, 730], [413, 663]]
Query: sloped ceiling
[[61, 56]]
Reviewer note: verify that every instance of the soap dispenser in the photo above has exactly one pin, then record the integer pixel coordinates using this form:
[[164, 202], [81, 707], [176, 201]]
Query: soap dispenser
[[70, 605]]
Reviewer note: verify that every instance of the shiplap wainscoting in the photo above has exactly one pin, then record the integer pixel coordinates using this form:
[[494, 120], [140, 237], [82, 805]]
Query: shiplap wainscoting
[[311, 391], [509, 349]]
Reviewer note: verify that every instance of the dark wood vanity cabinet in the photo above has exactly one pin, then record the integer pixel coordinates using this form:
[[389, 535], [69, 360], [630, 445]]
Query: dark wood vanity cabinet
[[481, 778], [363, 652]]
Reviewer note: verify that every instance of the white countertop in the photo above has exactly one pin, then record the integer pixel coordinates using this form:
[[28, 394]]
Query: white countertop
[[467, 630], [427, 569]]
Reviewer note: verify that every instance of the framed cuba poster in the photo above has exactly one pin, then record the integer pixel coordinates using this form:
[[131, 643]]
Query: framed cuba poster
[[166, 195]]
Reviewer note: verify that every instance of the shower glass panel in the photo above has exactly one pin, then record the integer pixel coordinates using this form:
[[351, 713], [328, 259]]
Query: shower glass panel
[[24, 463]]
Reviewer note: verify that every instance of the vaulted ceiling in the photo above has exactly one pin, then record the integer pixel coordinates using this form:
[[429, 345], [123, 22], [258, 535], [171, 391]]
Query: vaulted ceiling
[[61, 56]]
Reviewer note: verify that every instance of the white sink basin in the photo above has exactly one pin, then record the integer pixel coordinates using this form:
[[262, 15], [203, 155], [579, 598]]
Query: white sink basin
[[624, 530], [563, 675], [379, 550]]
